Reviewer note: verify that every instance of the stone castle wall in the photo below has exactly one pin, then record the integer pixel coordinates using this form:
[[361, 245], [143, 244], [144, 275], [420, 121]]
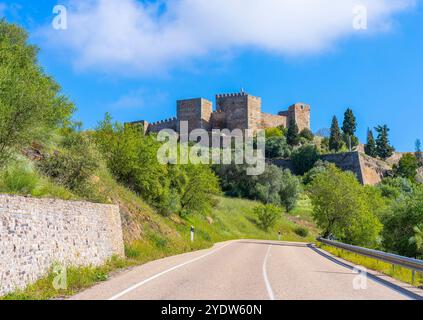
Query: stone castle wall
[[161, 125], [35, 234], [369, 171], [272, 121]]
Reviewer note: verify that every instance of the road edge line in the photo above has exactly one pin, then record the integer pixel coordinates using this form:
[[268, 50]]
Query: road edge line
[[266, 279], [136, 286]]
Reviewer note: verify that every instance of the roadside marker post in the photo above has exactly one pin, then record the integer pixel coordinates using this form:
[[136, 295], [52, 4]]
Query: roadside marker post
[[192, 233], [279, 236]]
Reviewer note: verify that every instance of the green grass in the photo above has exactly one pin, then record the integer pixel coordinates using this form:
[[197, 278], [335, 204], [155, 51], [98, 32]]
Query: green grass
[[397, 272], [21, 178], [77, 279]]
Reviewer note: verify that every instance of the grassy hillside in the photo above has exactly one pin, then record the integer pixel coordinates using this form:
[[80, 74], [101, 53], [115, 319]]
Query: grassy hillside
[[149, 236]]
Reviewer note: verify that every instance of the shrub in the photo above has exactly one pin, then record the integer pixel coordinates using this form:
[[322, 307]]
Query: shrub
[[132, 158], [18, 179], [267, 215], [290, 188], [275, 186], [275, 132], [197, 195], [319, 167], [307, 135], [304, 158], [302, 232], [344, 208], [399, 223], [407, 167], [277, 147], [395, 188], [73, 165]]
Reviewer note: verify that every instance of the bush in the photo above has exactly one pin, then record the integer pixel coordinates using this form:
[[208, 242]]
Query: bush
[[197, 195], [267, 215], [290, 188], [344, 208], [304, 158], [132, 158], [319, 167], [307, 135], [275, 132], [18, 179], [73, 165], [302, 232], [275, 186], [407, 167], [277, 147], [399, 224], [396, 188]]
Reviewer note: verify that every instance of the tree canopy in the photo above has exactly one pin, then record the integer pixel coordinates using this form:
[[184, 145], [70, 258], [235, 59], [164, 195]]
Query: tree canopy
[[31, 105]]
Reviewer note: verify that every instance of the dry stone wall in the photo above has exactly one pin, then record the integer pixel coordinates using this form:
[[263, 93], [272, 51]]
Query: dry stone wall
[[35, 234]]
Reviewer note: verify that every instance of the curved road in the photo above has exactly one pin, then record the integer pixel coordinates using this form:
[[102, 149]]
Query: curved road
[[249, 270]]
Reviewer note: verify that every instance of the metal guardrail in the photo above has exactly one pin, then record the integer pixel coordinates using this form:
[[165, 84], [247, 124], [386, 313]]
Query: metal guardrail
[[409, 263]]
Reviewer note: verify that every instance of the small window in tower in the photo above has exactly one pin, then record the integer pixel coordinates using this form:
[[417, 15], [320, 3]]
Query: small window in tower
[[302, 107]]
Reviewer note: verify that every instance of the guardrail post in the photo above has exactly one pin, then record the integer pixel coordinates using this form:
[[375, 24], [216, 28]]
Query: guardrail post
[[413, 277]]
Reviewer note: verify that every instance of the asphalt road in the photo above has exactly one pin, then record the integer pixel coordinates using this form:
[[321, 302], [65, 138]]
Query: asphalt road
[[249, 270]]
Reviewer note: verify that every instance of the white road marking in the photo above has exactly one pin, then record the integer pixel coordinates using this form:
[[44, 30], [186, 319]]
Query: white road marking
[[266, 279], [136, 286]]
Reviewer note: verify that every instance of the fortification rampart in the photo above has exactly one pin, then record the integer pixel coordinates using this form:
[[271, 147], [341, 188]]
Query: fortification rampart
[[369, 171]]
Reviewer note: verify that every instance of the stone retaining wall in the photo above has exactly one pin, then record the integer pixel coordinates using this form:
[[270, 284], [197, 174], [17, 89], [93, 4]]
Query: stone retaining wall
[[37, 233]]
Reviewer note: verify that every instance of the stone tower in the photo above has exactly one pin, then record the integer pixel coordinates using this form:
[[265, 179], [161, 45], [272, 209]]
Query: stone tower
[[242, 111], [197, 112], [300, 112]]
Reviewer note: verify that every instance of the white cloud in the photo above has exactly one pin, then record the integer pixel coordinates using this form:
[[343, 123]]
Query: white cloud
[[129, 36], [140, 98]]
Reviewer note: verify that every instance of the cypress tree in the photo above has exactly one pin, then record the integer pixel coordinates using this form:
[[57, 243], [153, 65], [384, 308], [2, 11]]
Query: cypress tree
[[370, 147], [335, 140], [419, 154], [292, 136], [383, 148], [349, 128]]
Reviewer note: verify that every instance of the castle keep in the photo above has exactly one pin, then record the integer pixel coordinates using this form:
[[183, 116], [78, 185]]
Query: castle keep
[[233, 111]]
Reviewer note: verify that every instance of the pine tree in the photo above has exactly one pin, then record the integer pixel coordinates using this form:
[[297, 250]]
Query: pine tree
[[335, 140], [370, 148], [292, 136], [383, 148], [349, 128]]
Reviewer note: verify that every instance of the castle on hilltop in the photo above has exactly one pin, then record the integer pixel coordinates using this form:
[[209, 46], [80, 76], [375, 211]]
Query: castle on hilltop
[[233, 111]]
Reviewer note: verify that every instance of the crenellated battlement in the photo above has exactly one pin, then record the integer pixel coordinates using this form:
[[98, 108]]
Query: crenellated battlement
[[231, 95], [174, 119]]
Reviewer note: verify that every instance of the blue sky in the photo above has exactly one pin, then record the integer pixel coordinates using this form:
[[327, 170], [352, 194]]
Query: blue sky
[[134, 59]]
